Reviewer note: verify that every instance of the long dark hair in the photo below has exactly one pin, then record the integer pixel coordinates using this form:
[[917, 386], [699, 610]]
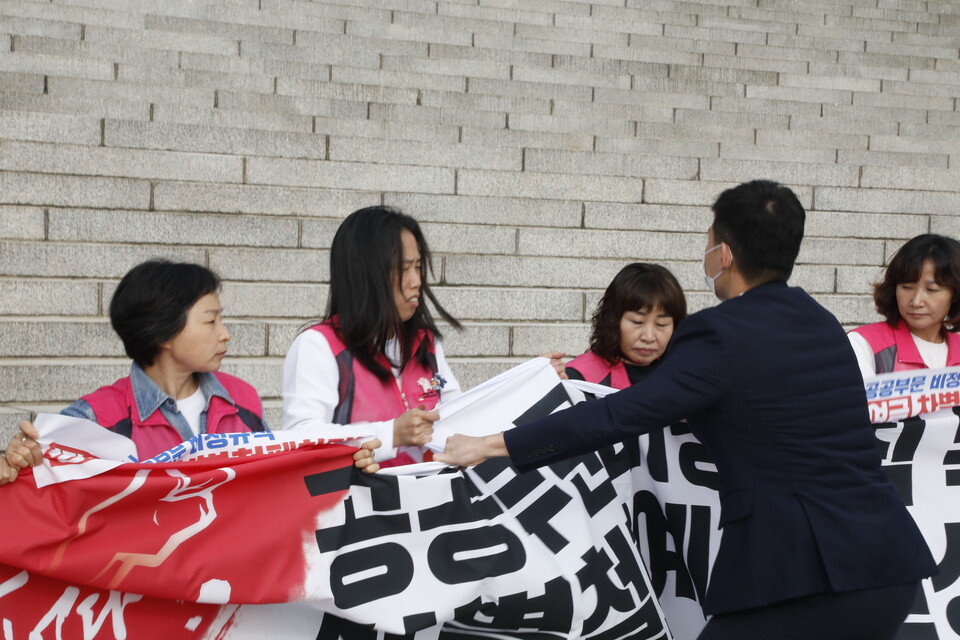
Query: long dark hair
[[366, 253], [639, 285], [906, 265]]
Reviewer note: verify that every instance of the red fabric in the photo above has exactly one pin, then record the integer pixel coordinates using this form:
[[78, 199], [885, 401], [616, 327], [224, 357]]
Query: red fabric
[[594, 369], [32, 601], [376, 400], [154, 434], [881, 335], [155, 529]]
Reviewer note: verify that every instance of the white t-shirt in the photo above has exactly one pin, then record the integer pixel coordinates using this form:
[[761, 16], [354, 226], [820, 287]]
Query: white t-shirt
[[191, 407], [311, 380], [934, 354]]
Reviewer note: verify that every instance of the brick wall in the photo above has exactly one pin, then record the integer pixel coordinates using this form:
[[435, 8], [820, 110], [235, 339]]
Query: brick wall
[[543, 144]]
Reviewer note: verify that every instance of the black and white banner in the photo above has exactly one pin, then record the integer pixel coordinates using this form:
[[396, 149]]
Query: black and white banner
[[279, 537]]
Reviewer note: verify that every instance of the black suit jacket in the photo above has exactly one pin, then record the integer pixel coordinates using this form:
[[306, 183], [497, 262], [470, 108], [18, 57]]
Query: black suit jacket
[[768, 382]]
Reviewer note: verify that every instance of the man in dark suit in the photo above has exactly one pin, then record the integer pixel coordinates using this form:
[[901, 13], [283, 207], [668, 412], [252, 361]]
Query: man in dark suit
[[816, 541]]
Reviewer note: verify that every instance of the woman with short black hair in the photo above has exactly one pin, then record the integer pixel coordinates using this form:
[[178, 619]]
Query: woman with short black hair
[[919, 298], [376, 356], [169, 317]]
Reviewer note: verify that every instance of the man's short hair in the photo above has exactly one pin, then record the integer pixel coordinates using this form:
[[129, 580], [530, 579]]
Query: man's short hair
[[151, 303], [762, 222]]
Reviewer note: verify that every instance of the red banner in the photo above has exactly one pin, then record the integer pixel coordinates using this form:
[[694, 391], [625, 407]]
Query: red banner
[[161, 534]]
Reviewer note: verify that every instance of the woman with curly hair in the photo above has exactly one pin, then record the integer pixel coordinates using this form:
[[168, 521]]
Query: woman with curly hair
[[632, 326]]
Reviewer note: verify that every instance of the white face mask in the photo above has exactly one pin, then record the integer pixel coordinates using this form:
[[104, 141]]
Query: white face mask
[[712, 280]]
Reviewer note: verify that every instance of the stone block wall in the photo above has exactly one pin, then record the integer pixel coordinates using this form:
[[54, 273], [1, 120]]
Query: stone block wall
[[542, 143]]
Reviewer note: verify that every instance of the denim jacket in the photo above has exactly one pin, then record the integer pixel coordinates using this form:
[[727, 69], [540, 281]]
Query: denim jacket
[[149, 397]]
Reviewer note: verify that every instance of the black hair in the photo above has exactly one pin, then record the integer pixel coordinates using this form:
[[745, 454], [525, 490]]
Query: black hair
[[366, 253], [906, 266], [762, 222], [637, 286], [150, 305]]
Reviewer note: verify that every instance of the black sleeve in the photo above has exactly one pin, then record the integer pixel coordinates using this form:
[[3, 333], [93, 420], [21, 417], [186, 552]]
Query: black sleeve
[[692, 379]]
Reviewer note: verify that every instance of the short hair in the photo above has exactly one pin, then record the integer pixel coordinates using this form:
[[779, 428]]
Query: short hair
[[762, 221], [637, 286], [906, 265], [150, 305], [366, 251]]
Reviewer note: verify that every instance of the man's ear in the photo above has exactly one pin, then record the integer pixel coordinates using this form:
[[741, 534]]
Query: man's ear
[[726, 255]]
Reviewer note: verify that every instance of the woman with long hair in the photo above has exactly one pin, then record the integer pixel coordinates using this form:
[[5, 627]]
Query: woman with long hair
[[376, 356]]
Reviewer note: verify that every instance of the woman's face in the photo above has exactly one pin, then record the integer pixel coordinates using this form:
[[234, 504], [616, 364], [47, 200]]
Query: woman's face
[[406, 284], [924, 304], [202, 343], [644, 335]]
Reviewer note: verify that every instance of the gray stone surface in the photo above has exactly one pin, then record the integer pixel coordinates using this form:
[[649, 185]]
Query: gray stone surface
[[73, 191], [857, 280], [187, 196], [531, 340], [838, 224], [67, 88], [59, 338], [647, 217], [542, 145], [21, 223], [87, 260], [27, 101], [56, 380], [282, 265], [274, 300], [620, 244], [125, 163], [424, 153], [16, 85], [485, 210], [547, 272], [523, 139], [886, 200], [213, 139], [842, 251], [921, 179], [144, 227], [30, 63], [233, 118], [43, 127], [475, 340], [350, 175], [20, 297], [608, 164], [548, 185], [477, 303], [727, 170]]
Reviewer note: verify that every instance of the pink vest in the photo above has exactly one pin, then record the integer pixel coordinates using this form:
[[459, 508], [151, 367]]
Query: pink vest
[[895, 350], [595, 369], [116, 409], [366, 398]]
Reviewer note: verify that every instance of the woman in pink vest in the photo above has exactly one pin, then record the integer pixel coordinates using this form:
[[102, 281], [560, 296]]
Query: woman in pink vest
[[375, 358], [919, 297], [168, 316], [633, 323]]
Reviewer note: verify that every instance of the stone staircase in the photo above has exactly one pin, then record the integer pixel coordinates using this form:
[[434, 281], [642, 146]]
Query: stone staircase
[[543, 144]]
